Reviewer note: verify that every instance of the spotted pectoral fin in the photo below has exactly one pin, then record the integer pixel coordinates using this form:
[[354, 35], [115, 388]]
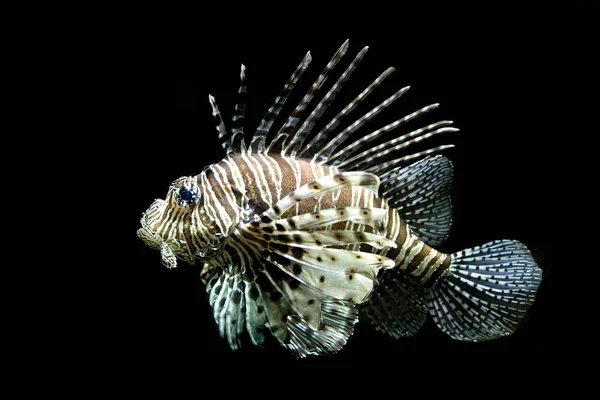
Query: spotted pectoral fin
[[340, 274], [303, 319], [374, 217], [308, 256], [321, 187], [398, 306], [318, 239]]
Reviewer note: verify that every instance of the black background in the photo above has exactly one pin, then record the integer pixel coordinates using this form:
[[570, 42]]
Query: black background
[[511, 79]]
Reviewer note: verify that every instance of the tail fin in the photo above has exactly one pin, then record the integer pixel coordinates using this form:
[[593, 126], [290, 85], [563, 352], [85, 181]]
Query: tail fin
[[487, 292]]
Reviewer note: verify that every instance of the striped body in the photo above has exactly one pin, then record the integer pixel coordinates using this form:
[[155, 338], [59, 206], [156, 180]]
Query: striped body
[[298, 231], [264, 179]]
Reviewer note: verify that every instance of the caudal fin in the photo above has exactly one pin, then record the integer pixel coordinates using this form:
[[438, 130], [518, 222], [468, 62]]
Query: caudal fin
[[487, 292]]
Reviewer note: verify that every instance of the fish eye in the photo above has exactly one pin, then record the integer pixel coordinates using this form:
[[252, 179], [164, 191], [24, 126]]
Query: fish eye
[[187, 195]]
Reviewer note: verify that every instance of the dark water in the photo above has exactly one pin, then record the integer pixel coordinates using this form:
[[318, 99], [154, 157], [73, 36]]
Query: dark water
[[505, 77]]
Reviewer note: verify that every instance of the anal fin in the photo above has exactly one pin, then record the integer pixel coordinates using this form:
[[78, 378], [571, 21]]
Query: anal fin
[[398, 306]]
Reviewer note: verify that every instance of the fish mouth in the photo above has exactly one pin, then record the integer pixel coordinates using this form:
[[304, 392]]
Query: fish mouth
[[148, 221], [149, 238]]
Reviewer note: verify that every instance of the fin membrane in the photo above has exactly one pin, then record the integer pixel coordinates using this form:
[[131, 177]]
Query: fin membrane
[[226, 297], [421, 194], [487, 292], [339, 318], [398, 306]]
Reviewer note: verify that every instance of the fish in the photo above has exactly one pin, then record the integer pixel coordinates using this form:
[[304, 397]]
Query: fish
[[301, 234]]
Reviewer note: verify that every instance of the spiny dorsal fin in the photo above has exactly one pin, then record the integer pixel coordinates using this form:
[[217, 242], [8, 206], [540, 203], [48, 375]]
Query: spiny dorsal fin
[[289, 128], [224, 136], [324, 153], [324, 135], [296, 142], [257, 144], [324, 148]]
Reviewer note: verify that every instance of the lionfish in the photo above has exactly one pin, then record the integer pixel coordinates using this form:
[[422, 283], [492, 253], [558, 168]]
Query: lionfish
[[298, 238]]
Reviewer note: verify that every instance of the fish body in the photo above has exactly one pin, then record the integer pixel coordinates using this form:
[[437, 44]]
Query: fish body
[[297, 238]]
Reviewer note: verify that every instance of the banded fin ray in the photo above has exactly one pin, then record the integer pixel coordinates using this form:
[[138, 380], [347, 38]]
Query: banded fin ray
[[342, 274], [340, 155], [324, 135], [289, 128], [219, 297], [257, 144], [255, 315], [233, 318], [276, 306], [320, 187], [302, 319], [237, 142], [319, 239], [296, 141], [375, 217], [224, 136], [388, 165], [402, 142], [327, 150]]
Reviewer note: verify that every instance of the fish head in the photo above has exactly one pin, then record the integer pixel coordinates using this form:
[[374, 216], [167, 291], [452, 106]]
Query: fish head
[[177, 226]]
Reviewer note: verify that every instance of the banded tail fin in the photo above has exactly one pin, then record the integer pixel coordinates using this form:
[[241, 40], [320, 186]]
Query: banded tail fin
[[487, 292]]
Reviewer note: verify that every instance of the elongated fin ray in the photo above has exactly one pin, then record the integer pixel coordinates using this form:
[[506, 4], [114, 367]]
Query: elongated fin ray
[[320, 187], [367, 157], [375, 217], [290, 125], [327, 150], [257, 145], [224, 136], [319, 239], [342, 274], [233, 319], [237, 141], [255, 315], [277, 306], [323, 136], [420, 193], [388, 165], [304, 320], [339, 156], [487, 292], [296, 142], [370, 160]]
